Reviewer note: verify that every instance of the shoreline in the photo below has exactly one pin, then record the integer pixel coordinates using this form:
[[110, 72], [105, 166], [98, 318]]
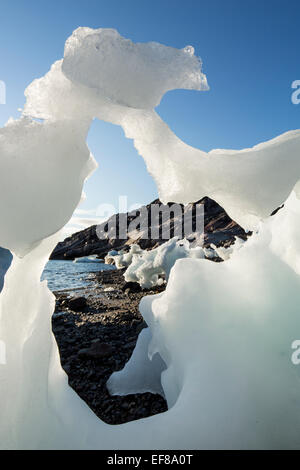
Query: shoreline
[[96, 336]]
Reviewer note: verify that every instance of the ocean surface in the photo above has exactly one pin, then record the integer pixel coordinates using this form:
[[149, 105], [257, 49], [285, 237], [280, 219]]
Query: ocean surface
[[68, 275]]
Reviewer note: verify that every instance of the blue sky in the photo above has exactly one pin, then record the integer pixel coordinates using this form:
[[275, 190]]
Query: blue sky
[[250, 54]]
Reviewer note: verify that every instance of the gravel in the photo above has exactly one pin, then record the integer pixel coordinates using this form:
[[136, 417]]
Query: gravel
[[98, 340]]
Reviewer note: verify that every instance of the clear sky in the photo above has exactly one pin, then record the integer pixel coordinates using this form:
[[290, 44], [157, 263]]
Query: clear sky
[[250, 54]]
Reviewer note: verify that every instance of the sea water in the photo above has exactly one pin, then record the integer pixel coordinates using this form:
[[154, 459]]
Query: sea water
[[62, 274]]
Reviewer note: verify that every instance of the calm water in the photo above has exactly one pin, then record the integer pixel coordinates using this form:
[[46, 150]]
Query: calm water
[[68, 275]]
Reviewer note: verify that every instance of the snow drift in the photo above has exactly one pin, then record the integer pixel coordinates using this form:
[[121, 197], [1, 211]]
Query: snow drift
[[223, 331]]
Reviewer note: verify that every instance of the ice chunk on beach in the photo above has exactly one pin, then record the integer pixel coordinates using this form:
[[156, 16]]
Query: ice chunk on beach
[[151, 268], [122, 259], [141, 374]]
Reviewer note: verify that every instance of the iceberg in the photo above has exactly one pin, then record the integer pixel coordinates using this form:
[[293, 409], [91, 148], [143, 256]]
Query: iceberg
[[88, 259], [151, 268], [123, 259], [219, 339]]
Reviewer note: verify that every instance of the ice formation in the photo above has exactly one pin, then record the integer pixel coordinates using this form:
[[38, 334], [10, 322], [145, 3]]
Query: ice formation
[[123, 259], [223, 330], [225, 253], [140, 374], [151, 268]]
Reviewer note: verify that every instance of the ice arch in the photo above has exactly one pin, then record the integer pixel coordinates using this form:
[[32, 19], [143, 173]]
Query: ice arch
[[219, 328]]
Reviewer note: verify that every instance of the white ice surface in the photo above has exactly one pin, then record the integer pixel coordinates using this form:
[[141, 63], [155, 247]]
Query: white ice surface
[[123, 259], [151, 267], [141, 374]]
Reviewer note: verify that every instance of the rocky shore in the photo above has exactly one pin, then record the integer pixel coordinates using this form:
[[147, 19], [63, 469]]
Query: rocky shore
[[96, 329]]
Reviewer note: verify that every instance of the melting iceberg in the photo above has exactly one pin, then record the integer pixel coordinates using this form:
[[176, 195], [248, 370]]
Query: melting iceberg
[[223, 331], [88, 259], [151, 268], [123, 259]]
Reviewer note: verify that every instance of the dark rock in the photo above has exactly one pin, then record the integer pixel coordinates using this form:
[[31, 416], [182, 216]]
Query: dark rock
[[67, 369], [276, 210], [219, 229], [114, 323], [141, 326], [97, 350], [131, 287], [76, 304], [129, 345], [58, 315]]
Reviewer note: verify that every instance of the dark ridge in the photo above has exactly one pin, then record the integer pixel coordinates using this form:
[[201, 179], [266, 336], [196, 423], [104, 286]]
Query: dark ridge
[[219, 229]]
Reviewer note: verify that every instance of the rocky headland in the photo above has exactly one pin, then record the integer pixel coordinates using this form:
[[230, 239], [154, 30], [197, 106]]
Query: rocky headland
[[219, 229]]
